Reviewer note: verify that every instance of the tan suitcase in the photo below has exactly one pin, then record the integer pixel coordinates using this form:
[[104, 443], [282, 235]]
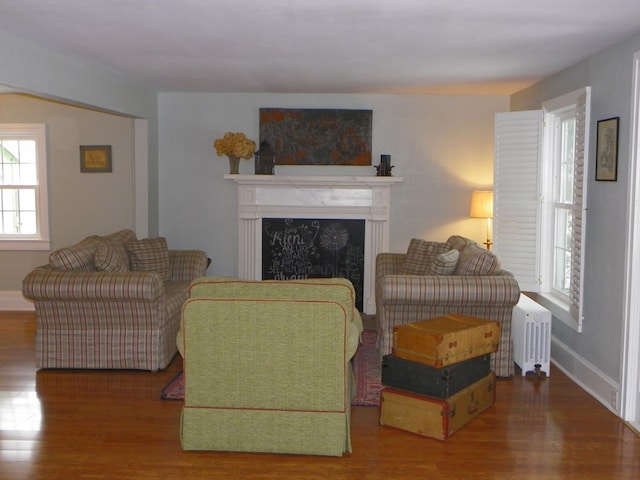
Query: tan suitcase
[[445, 340], [435, 417]]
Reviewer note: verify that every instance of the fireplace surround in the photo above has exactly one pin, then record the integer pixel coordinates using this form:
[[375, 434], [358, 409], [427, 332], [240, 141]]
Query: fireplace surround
[[321, 197]]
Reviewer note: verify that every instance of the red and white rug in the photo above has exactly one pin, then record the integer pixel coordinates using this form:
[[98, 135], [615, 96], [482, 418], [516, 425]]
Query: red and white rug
[[367, 371]]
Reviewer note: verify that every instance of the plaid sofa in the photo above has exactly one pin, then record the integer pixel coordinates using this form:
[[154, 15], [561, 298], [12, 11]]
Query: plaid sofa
[[267, 365], [414, 286], [111, 302]]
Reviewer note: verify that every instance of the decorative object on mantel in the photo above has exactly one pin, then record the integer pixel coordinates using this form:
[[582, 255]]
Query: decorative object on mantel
[[235, 146], [265, 159], [302, 136], [384, 169]]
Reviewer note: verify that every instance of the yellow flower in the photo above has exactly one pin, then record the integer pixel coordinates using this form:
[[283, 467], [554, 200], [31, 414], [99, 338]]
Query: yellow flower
[[235, 145]]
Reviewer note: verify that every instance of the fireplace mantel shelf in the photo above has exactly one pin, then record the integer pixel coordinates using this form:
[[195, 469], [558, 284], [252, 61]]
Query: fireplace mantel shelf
[[314, 180]]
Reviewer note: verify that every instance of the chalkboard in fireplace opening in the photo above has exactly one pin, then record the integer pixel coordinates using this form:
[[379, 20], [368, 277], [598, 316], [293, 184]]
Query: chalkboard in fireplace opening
[[298, 248]]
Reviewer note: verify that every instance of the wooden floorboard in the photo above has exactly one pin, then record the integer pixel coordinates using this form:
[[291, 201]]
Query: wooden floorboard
[[57, 424]]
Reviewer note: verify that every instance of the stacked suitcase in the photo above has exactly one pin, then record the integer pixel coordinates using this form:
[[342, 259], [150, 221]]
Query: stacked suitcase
[[438, 376]]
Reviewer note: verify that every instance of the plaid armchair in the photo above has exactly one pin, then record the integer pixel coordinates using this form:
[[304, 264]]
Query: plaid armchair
[[476, 286], [111, 302]]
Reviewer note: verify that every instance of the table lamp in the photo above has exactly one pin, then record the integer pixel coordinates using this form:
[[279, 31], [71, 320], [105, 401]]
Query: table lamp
[[482, 207]]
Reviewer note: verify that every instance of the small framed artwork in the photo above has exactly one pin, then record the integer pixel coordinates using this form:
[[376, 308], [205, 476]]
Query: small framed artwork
[[607, 150], [95, 158]]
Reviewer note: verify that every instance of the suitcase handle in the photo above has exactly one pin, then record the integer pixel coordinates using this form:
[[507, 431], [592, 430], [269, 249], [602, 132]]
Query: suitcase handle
[[473, 405]]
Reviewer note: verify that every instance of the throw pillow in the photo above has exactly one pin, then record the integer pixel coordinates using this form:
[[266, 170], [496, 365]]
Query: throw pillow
[[150, 255], [420, 255], [475, 260], [444, 264], [78, 257], [122, 236], [111, 257]]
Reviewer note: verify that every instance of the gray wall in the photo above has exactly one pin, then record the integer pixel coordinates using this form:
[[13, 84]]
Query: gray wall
[[441, 145], [609, 73]]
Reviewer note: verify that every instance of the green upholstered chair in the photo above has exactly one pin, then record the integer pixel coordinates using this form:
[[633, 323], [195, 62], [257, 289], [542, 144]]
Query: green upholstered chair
[[267, 365]]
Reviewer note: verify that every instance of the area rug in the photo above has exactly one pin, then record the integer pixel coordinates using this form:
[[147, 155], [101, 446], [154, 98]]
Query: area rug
[[366, 368]]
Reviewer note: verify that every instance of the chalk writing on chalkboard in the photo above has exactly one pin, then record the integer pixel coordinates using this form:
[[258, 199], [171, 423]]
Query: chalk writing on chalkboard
[[298, 248]]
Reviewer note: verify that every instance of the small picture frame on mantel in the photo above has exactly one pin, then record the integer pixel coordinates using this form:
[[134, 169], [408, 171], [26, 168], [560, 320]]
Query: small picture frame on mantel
[[95, 158], [607, 150]]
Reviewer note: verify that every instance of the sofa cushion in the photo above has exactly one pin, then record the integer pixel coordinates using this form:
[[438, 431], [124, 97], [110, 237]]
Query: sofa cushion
[[111, 257], [150, 255], [78, 257], [475, 260], [444, 264], [420, 255], [122, 237]]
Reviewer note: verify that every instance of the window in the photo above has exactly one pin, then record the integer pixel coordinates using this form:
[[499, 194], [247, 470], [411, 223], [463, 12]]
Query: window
[[561, 163], [23, 188], [540, 199]]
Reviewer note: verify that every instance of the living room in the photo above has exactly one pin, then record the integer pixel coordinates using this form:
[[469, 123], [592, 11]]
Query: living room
[[441, 145]]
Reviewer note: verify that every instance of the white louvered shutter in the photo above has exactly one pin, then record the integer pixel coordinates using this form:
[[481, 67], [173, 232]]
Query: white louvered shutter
[[516, 236], [579, 205]]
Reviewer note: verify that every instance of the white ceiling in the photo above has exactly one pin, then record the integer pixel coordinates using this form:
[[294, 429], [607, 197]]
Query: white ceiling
[[327, 46]]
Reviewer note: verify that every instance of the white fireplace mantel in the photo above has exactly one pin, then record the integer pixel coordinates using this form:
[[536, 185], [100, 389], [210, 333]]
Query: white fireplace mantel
[[300, 196]]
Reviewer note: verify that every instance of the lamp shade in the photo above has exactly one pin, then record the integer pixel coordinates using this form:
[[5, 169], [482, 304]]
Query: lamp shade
[[481, 204]]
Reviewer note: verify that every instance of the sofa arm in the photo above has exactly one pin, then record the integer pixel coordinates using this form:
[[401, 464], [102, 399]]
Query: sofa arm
[[389, 263], [49, 284], [490, 290], [187, 265]]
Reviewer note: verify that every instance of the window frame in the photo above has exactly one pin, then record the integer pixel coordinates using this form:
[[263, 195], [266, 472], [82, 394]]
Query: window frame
[[41, 239], [566, 307]]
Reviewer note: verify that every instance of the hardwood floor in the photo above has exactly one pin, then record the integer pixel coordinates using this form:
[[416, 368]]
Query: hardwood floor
[[113, 425]]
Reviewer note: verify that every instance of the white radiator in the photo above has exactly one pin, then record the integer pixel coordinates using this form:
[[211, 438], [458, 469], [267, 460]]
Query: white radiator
[[531, 333]]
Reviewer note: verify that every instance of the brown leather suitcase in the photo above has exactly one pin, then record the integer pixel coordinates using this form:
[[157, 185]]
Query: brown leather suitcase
[[445, 340], [435, 417]]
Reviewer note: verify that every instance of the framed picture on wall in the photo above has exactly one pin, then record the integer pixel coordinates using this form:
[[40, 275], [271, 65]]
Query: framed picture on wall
[[607, 150], [95, 158], [311, 136]]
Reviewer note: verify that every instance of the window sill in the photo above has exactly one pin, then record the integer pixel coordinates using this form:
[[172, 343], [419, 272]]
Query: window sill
[[558, 308], [25, 245]]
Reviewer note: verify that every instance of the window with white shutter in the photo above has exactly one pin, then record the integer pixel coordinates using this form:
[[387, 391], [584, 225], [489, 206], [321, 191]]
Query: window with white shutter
[[540, 200]]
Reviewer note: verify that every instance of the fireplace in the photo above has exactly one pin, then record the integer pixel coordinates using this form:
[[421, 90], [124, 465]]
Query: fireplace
[[297, 198], [297, 248]]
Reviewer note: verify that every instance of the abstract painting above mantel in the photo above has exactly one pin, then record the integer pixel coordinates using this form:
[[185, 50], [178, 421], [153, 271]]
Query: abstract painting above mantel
[[317, 136]]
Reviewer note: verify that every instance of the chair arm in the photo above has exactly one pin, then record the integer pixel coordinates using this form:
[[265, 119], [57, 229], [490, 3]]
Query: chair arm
[[187, 265], [463, 290], [45, 283]]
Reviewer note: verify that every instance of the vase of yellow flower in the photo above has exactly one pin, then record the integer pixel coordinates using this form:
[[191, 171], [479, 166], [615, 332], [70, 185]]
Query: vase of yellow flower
[[235, 146], [234, 164]]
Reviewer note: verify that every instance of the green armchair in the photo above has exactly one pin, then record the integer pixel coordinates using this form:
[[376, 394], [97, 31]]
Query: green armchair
[[267, 365]]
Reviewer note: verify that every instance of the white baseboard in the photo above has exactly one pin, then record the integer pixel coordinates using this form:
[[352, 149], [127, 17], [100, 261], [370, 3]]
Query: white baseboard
[[14, 301], [586, 375]]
